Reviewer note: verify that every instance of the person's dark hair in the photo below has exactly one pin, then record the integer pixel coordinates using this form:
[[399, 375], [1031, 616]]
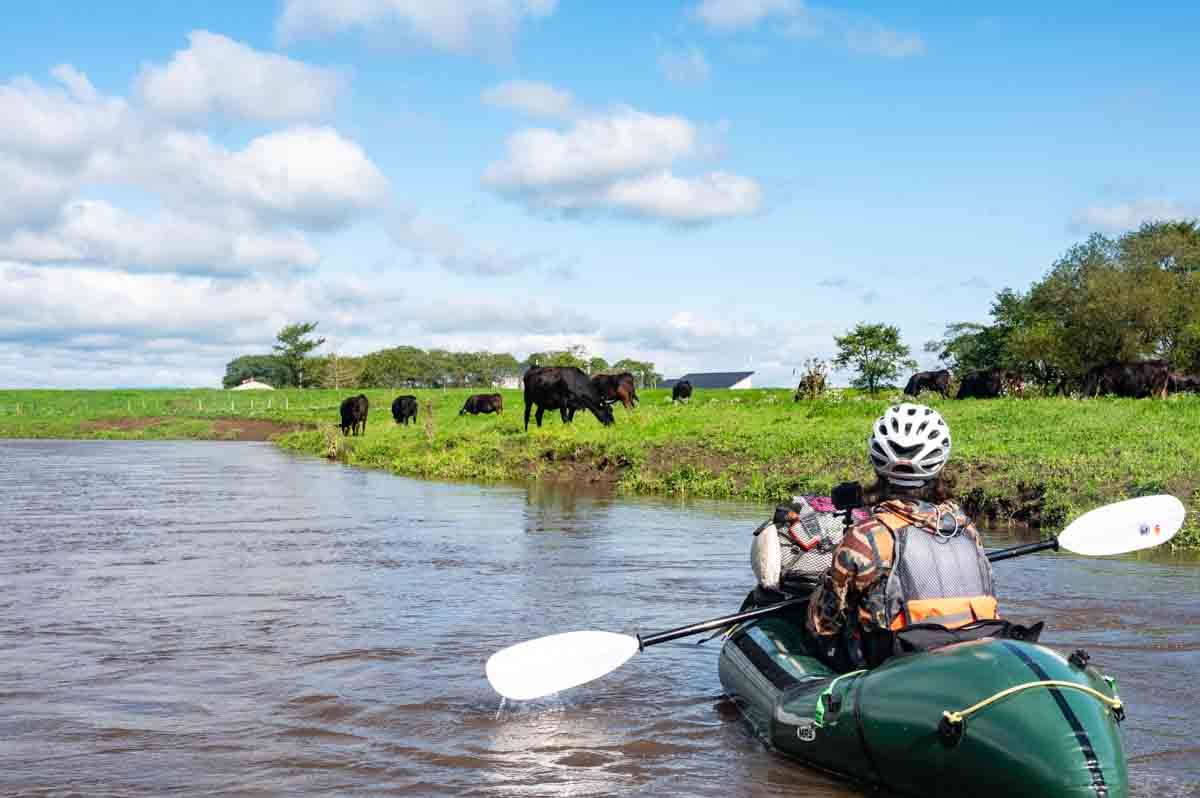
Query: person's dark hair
[[938, 489]]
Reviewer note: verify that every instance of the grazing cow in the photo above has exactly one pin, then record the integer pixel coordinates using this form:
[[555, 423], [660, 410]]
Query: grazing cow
[[483, 403], [617, 388], [1135, 380], [1183, 383], [929, 380], [681, 391], [565, 389], [354, 415], [404, 408], [991, 384]]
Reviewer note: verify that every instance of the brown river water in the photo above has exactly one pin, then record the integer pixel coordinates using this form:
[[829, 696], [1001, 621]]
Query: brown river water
[[197, 618]]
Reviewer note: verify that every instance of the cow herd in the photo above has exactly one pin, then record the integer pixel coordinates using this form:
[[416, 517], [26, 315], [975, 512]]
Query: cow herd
[[561, 388], [1134, 380]]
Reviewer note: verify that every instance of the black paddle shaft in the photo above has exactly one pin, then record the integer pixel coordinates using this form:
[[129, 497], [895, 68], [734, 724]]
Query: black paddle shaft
[[1028, 548], [749, 615], [715, 623]]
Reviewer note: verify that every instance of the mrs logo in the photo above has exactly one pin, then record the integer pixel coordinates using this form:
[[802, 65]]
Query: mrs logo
[[1144, 530], [807, 733]]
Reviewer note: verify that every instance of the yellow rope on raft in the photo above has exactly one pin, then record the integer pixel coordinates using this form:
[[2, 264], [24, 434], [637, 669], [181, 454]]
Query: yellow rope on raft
[[955, 718]]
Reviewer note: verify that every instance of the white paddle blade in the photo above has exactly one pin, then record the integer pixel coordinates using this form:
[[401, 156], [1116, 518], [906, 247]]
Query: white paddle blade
[[1123, 527], [549, 664]]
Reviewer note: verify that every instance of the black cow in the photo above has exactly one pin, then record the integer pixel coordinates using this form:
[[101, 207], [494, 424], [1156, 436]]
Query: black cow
[[354, 414], [681, 391], [617, 388], [1135, 380], [565, 389], [404, 408], [483, 403], [929, 381], [991, 384], [1183, 383]]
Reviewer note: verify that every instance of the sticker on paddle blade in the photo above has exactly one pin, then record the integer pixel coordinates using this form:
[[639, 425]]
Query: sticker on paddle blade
[[1124, 527]]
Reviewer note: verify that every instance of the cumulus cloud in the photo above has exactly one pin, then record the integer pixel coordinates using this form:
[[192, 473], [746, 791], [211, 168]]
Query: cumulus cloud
[[593, 149], [216, 74], [94, 232], [857, 32], [619, 161], [714, 195], [429, 240], [57, 141], [531, 97], [1129, 215], [684, 66], [457, 27], [82, 326]]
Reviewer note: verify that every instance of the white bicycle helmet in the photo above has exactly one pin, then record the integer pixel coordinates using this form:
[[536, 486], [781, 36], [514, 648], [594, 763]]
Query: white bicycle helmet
[[909, 444]]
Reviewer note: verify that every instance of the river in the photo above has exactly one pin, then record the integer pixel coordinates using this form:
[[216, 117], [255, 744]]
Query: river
[[201, 618]]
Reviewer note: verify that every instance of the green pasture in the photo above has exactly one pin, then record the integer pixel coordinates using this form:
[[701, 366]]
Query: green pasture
[[1037, 460]]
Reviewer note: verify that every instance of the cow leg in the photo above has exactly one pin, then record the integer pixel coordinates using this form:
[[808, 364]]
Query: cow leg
[[538, 416], [528, 404]]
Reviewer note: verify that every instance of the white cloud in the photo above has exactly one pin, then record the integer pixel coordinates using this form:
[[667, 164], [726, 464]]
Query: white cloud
[[710, 196], [619, 161], [531, 97], [216, 74], [595, 148], [93, 232], [55, 142], [684, 66], [457, 26], [61, 128], [1129, 215], [857, 32]]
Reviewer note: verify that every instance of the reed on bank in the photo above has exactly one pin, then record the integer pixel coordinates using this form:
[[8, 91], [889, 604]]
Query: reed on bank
[[1039, 461]]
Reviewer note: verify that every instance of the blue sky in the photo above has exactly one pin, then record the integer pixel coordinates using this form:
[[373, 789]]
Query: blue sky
[[711, 184]]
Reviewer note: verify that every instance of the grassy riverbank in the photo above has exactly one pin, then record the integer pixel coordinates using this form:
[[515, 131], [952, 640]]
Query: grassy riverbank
[[1035, 461]]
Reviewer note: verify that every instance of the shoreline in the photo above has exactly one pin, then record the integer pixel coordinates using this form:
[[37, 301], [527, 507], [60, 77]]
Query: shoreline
[[1033, 462]]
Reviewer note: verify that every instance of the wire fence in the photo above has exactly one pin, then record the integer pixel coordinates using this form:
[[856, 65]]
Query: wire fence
[[214, 405]]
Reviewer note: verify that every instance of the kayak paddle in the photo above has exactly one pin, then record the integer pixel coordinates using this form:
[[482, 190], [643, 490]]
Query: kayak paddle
[[556, 662]]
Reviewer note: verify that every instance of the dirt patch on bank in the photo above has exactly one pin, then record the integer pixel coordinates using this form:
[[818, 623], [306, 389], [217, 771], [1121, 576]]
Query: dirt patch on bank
[[251, 429], [220, 429], [122, 424]]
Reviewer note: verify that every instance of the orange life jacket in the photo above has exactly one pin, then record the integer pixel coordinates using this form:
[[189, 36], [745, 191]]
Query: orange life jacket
[[937, 576]]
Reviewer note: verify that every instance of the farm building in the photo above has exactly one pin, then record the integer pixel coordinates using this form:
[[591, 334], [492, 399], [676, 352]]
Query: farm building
[[734, 380], [251, 384]]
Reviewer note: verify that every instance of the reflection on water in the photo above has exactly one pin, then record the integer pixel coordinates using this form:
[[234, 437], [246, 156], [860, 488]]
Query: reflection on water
[[212, 618]]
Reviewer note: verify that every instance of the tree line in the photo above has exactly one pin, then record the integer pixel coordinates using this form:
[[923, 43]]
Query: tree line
[[1109, 299], [291, 364]]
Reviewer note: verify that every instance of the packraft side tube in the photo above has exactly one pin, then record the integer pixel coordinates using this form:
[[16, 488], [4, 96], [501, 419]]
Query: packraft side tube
[[1040, 740], [884, 727]]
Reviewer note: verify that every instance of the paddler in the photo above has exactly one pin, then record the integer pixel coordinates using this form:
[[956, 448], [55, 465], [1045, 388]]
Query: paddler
[[917, 560]]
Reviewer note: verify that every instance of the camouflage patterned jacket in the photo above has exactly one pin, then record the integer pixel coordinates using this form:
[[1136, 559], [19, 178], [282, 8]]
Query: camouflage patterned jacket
[[854, 587]]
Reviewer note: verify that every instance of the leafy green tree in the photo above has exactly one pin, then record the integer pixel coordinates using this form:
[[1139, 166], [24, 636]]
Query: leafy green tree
[[266, 368], [597, 365], [875, 352], [967, 347], [642, 371], [335, 371], [293, 346]]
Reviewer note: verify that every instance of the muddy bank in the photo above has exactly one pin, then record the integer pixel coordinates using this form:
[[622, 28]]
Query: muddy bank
[[217, 429]]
